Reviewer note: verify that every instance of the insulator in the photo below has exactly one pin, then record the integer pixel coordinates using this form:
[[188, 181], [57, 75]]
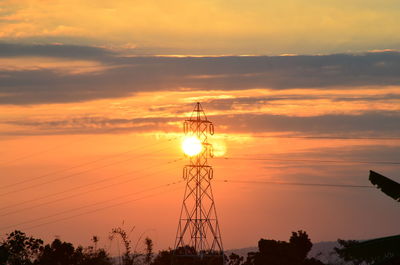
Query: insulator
[[185, 173], [211, 150], [211, 128], [210, 173], [185, 127]]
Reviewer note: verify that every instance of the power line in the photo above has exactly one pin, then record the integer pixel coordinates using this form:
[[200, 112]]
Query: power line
[[75, 174], [81, 193], [67, 176], [100, 209], [312, 160], [23, 157], [91, 205], [81, 165], [297, 184], [82, 186]]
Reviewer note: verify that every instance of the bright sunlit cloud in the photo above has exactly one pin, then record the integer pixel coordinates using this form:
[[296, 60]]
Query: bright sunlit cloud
[[219, 147], [206, 27], [191, 146]]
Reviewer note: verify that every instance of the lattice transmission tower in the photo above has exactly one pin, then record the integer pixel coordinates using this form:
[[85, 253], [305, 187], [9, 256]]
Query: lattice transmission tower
[[198, 235]]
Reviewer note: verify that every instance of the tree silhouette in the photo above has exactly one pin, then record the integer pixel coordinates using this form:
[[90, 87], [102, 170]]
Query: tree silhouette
[[235, 259], [127, 258], [384, 250], [89, 256], [18, 249], [301, 244], [149, 250], [63, 253], [272, 252], [60, 253], [164, 257], [187, 256]]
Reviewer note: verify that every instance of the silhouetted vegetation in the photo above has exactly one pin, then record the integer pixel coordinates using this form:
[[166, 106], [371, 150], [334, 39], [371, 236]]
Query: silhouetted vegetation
[[149, 251], [20, 249], [63, 253], [384, 251], [187, 256], [235, 259], [274, 252], [127, 258]]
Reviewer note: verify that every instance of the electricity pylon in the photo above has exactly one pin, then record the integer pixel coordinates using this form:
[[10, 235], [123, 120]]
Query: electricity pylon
[[198, 234]]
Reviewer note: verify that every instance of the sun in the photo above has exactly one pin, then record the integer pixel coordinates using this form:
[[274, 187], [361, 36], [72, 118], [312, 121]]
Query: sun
[[191, 145]]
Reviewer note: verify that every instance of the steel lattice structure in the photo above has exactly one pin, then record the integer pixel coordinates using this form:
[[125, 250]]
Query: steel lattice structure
[[198, 233]]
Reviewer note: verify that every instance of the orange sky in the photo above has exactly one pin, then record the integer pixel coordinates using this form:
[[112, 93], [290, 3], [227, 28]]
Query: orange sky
[[124, 160], [91, 115], [207, 26]]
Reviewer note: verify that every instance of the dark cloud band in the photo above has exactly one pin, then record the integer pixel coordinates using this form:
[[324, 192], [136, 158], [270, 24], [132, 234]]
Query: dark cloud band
[[371, 123], [127, 75]]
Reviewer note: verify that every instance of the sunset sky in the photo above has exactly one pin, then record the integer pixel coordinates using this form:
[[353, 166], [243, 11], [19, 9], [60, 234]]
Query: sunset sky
[[93, 95]]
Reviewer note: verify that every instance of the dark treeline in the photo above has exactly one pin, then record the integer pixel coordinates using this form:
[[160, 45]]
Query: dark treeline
[[20, 249]]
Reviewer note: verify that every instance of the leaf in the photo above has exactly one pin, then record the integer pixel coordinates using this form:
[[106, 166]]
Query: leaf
[[386, 185]]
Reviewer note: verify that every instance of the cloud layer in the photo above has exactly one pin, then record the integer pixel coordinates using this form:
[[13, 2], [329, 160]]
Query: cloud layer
[[367, 124], [326, 94], [208, 26], [118, 75]]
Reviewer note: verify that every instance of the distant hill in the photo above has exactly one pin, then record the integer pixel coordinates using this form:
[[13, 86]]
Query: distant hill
[[321, 250], [324, 252]]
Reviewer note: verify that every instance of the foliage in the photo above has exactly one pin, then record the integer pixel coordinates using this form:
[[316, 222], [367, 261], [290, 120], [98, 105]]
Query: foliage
[[95, 240], [3, 254], [235, 259], [128, 258], [164, 257], [375, 251], [187, 256], [90, 256], [345, 245], [301, 244], [271, 252], [149, 250], [274, 252], [18, 249], [63, 253], [58, 252]]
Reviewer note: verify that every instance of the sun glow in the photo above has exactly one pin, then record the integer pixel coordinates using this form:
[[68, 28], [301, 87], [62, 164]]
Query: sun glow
[[191, 145]]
